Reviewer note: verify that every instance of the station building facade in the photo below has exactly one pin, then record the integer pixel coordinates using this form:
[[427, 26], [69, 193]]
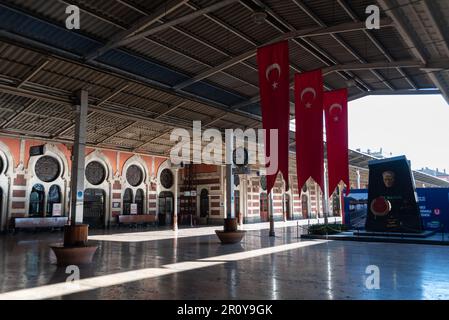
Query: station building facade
[[122, 183]]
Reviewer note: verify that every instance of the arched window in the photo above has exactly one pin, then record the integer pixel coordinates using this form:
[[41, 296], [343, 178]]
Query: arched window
[[54, 196], [140, 201], [37, 198], [127, 200]]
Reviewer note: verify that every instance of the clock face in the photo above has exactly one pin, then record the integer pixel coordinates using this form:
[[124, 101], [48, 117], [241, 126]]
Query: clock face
[[240, 156], [95, 173], [166, 178], [47, 169], [134, 175]]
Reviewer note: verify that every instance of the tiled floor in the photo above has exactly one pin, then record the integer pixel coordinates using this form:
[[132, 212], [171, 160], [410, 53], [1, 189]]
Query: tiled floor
[[194, 265]]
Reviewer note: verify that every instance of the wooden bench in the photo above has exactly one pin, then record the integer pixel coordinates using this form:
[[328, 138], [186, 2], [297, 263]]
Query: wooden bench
[[136, 219], [38, 223]]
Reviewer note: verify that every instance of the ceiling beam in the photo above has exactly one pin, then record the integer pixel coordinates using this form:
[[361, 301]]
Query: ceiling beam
[[345, 27], [177, 29], [376, 42], [64, 55], [317, 52], [158, 13], [340, 40], [34, 71], [374, 65], [114, 93], [175, 22], [429, 7], [17, 113], [412, 43]]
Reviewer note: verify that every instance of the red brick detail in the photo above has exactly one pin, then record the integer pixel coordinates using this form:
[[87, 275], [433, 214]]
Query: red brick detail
[[18, 215], [215, 188], [19, 193], [207, 181], [20, 180], [215, 204], [215, 212], [152, 205], [116, 196], [18, 205], [152, 197], [215, 197], [117, 186]]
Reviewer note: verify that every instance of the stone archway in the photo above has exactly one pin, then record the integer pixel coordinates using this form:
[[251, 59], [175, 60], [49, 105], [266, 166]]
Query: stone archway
[[6, 172]]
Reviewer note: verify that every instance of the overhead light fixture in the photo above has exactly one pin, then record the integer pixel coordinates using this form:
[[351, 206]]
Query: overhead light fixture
[[259, 16]]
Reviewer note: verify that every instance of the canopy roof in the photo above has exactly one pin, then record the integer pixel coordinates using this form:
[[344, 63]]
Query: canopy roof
[[150, 66]]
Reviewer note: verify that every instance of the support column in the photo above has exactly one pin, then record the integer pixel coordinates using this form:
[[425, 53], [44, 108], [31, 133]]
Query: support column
[[230, 212], [270, 212], [78, 159], [325, 196], [175, 206], [358, 179]]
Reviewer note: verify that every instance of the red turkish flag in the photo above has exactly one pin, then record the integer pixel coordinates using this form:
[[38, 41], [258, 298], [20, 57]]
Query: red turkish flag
[[336, 111], [309, 127], [274, 68]]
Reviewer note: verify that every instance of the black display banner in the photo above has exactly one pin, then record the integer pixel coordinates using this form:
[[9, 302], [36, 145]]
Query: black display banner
[[392, 203]]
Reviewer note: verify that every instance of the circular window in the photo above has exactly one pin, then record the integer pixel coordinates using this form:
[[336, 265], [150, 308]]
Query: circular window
[[167, 178], [47, 169], [263, 182], [134, 175], [95, 173], [1, 165]]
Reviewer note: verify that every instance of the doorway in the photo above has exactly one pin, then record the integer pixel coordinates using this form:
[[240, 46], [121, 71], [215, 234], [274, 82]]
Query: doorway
[[94, 208], [287, 207], [263, 207], [305, 206], [165, 208], [204, 203]]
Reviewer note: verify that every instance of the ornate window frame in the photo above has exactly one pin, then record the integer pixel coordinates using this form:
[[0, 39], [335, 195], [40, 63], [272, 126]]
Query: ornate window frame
[[5, 184], [144, 185], [62, 180]]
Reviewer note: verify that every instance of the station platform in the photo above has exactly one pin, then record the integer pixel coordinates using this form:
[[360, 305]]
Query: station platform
[[194, 265]]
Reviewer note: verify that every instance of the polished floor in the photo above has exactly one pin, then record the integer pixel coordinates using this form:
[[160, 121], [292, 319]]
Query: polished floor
[[194, 265]]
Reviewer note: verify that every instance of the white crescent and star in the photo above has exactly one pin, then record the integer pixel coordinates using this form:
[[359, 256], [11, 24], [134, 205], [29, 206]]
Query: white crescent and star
[[306, 90], [336, 106], [271, 68]]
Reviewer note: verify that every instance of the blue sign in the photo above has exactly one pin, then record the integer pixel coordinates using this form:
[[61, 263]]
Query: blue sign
[[433, 204], [80, 195]]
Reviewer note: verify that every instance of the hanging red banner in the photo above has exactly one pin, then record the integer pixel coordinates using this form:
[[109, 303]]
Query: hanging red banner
[[309, 127], [336, 111], [273, 63]]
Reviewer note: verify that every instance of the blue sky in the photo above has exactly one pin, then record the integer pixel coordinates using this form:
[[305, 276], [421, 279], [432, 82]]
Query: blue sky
[[416, 126]]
